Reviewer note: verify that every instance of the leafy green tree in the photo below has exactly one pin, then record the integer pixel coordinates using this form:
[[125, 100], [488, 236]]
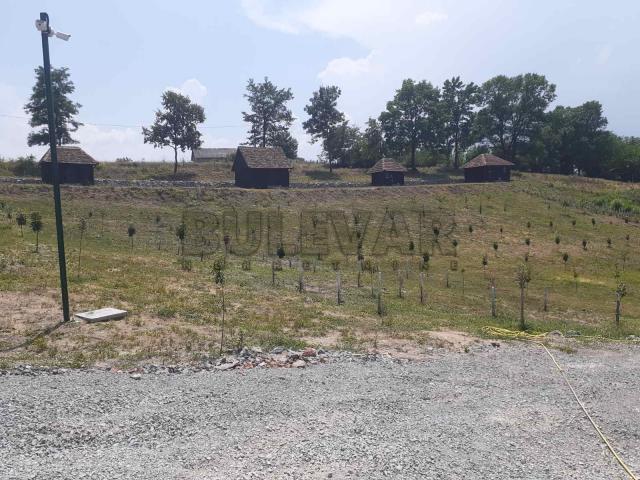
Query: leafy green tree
[[36, 227], [574, 140], [372, 143], [176, 125], [131, 231], [288, 144], [513, 111], [64, 108], [181, 233], [324, 117], [269, 117], [341, 147], [457, 109], [21, 220], [409, 121]]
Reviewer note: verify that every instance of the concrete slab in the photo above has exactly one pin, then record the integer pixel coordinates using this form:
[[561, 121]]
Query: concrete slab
[[102, 315]]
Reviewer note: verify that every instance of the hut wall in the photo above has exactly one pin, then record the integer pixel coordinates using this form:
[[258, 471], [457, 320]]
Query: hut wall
[[260, 177], [490, 173], [70, 173], [387, 178]]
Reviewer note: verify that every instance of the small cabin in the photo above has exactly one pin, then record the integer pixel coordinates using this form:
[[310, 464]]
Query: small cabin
[[74, 166], [211, 155], [387, 172], [261, 167], [487, 168]]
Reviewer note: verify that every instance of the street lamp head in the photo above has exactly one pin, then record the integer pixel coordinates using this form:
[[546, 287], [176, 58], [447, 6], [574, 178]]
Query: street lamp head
[[42, 25], [62, 36]]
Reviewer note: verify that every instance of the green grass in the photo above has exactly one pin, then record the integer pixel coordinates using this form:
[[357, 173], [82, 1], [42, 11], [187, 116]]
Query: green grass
[[175, 313]]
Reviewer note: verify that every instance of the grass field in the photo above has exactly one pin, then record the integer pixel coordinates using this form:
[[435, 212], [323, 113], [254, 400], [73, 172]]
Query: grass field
[[220, 171], [175, 305]]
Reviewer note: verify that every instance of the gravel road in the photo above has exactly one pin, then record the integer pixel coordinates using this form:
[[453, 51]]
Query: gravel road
[[495, 412]]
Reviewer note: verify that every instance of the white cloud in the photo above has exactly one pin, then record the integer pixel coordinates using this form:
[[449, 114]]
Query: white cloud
[[256, 11], [369, 22], [193, 89], [427, 18], [603, 54], [345, 66]]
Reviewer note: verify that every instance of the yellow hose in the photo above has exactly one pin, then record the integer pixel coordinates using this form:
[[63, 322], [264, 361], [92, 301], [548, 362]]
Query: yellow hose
[[534, 338]]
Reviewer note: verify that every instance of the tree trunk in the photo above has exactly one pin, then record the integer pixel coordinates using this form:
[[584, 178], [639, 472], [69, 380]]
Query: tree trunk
[[80, 255], [175, 158], [522, 325], [222, 323], [413, 155], [493, 302], [37, 241], [618, 311]]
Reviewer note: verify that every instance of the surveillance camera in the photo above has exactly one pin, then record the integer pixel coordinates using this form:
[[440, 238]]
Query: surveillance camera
[[63, 36], [42, 25]]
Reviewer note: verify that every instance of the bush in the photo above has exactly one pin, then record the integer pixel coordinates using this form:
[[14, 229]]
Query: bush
[[26, 167]]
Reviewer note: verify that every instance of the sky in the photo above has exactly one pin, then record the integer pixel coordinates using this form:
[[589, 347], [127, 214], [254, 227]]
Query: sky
[[123, 55]]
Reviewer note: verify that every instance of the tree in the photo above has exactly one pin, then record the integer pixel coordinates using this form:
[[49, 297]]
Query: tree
[[523, 277], [181, 233], [63, 107], [457, 104], [621, 292], [269, 117], [408, 122], [82, 227], [36, 227], [176, 125], [21, 220], [288, 144], [372, 147], [573, 139], [131, 231], [342, 145], [513, 111], [324, 116], [219, 279]]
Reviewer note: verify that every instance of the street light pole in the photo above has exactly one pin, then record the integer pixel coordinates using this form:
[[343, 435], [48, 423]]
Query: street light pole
[[54, 166]]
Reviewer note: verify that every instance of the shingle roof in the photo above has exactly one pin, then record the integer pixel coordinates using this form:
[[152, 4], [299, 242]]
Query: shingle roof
[[386, 165], [69, 154], [212, 153], [262, 157], [486, 159]]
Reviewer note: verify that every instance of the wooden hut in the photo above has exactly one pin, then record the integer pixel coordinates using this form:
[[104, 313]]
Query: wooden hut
[[211, 155], [74, 166], [487, 168], [261, 167], [387, 172]]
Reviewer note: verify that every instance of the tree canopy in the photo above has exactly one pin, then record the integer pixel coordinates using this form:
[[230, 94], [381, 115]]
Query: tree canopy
[[269, 117], [513, 110], [325, 121], [64, 108], [409, 122], [176, 125], [457, 114]]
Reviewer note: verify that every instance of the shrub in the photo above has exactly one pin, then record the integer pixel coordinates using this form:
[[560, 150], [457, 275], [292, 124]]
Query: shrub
[[186, 264], [26, 167]]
